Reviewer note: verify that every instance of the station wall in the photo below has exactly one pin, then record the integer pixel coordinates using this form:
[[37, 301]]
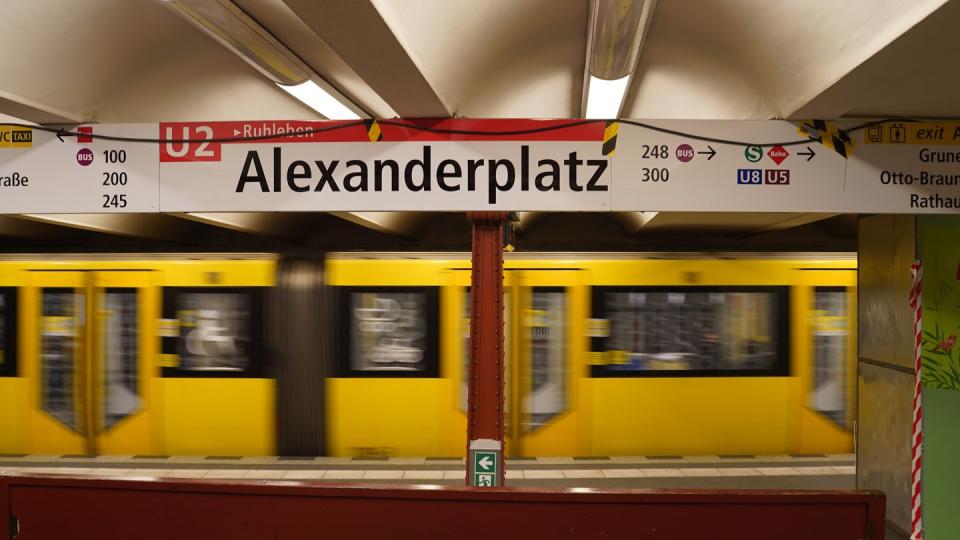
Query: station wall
[[887, 247]]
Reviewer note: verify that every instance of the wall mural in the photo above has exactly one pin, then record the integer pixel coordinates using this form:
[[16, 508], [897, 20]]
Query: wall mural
[[941, 302]]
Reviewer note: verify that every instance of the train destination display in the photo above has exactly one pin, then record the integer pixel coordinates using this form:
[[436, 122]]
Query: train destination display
[[460, 165]]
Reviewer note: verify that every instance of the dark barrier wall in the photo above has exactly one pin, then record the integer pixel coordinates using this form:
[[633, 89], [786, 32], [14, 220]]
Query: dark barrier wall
[[56, 508], [301, 307]]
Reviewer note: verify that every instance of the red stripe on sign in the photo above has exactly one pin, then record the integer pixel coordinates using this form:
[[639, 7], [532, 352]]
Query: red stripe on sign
[[84, 134], [201, 141], [460, 129], [267, 131]]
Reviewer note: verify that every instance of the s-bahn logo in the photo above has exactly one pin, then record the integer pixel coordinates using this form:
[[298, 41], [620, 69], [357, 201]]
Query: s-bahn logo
[[13, 137]]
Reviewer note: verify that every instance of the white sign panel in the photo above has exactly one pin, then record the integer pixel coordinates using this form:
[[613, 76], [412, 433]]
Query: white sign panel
[[910, 168], [462, 165], [348, 170], [43, 173], [656, 171]]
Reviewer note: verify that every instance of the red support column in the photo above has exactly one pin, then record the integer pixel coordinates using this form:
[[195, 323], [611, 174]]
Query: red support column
[[485, 464]]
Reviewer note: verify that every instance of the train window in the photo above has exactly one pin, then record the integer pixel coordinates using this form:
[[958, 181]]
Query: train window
[[545, 324], [62, 314], [216, 331], [389, 331], [120, 336], [8, 331], [689, 331], [829, 326]]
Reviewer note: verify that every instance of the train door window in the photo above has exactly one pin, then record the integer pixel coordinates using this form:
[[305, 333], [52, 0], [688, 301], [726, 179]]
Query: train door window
[[830, 346], [120, 346], [217, 331], [8, 332], [390, 331], [546, 328], [690, 331], [62, 312]]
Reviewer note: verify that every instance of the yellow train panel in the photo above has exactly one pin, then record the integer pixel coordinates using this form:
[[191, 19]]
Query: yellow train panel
[[688, 416], [350, 272], [399, 417], [218, 416], [818, 435], [12, 414], [557, 439]]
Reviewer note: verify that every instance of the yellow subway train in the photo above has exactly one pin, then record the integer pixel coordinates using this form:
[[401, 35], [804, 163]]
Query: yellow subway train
[[364, 354]]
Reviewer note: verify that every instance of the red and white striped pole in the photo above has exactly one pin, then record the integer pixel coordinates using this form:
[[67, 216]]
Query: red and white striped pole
[[916, 269]]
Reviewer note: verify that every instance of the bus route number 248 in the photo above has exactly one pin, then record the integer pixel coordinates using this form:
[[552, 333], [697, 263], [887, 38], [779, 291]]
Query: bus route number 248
[[654, 174]]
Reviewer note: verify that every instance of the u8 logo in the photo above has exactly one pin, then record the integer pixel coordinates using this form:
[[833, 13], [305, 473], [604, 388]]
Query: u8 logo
[[749, 176]]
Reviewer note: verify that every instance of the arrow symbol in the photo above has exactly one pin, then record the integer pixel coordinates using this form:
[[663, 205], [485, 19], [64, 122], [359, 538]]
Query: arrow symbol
[[63, 133], [809, 153], [710, 151], [485, 463]]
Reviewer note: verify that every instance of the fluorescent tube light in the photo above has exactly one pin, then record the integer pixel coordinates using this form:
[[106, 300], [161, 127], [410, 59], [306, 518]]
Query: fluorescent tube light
[[231, 26], [320, 100], [605, 97]]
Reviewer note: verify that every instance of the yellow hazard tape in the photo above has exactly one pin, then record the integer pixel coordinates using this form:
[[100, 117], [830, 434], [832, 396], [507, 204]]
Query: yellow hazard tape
[[373, 130], [610, 138], [828, 135]]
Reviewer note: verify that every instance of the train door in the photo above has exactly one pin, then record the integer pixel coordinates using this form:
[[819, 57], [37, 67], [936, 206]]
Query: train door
[[88, 352], [541, 382], [828, 370]]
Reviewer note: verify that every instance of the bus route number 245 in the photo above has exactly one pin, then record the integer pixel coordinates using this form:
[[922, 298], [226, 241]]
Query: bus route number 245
[[114, 179]]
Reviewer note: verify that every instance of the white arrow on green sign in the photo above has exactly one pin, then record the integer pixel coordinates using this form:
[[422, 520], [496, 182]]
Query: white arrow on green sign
[[485, 469]]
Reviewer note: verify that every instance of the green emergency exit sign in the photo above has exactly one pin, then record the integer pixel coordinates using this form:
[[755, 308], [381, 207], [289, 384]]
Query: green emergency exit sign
[[485, 469]]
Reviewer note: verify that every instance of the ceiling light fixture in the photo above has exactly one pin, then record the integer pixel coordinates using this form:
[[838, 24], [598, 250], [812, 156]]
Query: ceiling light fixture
[[605, 97], [231, 26], [616, 34], [320, 100]]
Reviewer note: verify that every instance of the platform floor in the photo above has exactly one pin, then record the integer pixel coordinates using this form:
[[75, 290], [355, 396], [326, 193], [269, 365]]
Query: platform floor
[[781, 472]]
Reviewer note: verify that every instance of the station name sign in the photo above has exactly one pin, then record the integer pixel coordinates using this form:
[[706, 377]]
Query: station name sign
[[385, 167], [460, 165], [423, 174]]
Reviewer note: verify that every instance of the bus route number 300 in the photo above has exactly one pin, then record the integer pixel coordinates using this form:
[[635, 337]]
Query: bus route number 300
[[654, 174]]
